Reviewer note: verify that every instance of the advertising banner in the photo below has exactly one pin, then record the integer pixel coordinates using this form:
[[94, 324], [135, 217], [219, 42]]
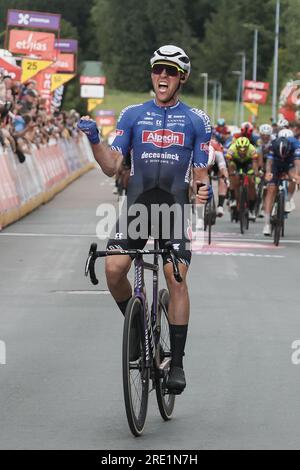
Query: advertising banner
[[92, 91], [57, 98], [253, 108], [255, 96], [92, 80], [59, 79], [31, 67], [93, 103], [32, 19], [106, 121], [256, 85], [32, 43], [66, 45], [105, 112], [289, 101], [44, 87], [63, 63], [10, 69]]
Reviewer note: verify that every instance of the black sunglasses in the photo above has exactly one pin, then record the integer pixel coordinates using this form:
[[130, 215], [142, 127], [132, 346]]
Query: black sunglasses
[[171, 70]]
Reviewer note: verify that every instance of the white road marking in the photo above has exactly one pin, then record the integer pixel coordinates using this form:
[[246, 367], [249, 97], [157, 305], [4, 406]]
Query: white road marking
[[86, 235], [243, 255], [72, 235], [83, 292]]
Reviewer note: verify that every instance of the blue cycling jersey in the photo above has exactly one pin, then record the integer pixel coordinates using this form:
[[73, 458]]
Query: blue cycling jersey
[[164, 143], [293, 155]]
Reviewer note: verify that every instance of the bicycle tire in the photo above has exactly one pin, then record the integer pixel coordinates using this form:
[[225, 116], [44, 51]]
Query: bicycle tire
[[259, 198], [212, 218], [165, 402], [283, 217], [206, 216], [136, 411], [279, 218], [242, 209]]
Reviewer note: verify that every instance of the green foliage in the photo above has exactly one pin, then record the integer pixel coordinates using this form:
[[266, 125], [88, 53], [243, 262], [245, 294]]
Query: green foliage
[[290, 41], [124, 34]]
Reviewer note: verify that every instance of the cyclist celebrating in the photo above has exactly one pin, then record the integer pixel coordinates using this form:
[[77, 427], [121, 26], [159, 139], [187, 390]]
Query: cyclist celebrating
[[165, 139], [242, 156], [283, 159]]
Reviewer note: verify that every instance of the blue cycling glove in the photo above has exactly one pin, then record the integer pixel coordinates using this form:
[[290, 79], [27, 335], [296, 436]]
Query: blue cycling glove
[[89, 127]]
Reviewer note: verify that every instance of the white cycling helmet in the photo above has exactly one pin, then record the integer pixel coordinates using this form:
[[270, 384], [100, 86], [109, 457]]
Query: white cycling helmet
[[283, 123], [266, 129], [172, 54], [285, 133]]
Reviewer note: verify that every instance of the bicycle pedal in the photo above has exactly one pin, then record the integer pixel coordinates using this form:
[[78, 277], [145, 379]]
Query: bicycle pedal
[[173, 392]]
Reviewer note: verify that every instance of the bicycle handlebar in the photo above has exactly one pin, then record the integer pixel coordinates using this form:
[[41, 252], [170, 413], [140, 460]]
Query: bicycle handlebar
[[90, 264], [94, 254]]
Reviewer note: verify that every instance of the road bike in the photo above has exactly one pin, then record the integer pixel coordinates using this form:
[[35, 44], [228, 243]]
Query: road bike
[[146, 351], [278, 214], [210, 215], [241, 213]]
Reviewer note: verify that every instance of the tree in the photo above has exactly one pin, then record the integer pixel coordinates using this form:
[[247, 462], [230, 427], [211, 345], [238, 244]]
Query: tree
[[124, 42]]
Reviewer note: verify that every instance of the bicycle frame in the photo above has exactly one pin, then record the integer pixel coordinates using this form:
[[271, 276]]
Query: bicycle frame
[[139, 291], [139, 284]]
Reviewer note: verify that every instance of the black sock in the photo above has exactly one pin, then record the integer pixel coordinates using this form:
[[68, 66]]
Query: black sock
[[178, 334], [252, 205], [221, 201], [123, 305], [232, 194]]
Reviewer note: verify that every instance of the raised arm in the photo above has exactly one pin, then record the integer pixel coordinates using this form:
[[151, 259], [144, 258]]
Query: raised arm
[[108, 160]]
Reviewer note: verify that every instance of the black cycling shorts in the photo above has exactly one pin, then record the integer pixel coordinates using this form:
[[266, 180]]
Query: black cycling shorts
[[134, 226]]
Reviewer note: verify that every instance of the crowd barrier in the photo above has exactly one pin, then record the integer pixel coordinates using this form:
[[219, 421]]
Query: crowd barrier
[[46, 171]]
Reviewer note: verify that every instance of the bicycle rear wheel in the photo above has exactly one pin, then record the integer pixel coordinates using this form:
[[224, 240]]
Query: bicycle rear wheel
[[165, 401], [135, 374]]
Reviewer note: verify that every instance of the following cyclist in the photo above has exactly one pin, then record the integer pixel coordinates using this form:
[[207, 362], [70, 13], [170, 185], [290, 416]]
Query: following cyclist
[[247, 130], [242, 156], [220, 170], [165, 138], [283, 159], [221, 131], [264, 143]]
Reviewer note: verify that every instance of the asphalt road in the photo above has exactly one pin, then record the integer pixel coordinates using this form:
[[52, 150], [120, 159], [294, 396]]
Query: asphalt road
[[61, 386]]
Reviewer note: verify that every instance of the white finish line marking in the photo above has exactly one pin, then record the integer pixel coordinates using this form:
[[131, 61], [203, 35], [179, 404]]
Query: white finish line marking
[[243, 255], [63, 235], [82, 292], [86, 235]]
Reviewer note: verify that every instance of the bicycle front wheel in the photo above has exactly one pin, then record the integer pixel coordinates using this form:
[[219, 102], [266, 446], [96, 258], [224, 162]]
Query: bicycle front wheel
[[135, 373], [165, 401], [279, 218], [243, 212]]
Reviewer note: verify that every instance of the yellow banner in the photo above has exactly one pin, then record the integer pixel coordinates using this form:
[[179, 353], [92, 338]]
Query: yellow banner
[[253, 108], [31, 67], [106, 130], [59, 79], [93, 103]]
